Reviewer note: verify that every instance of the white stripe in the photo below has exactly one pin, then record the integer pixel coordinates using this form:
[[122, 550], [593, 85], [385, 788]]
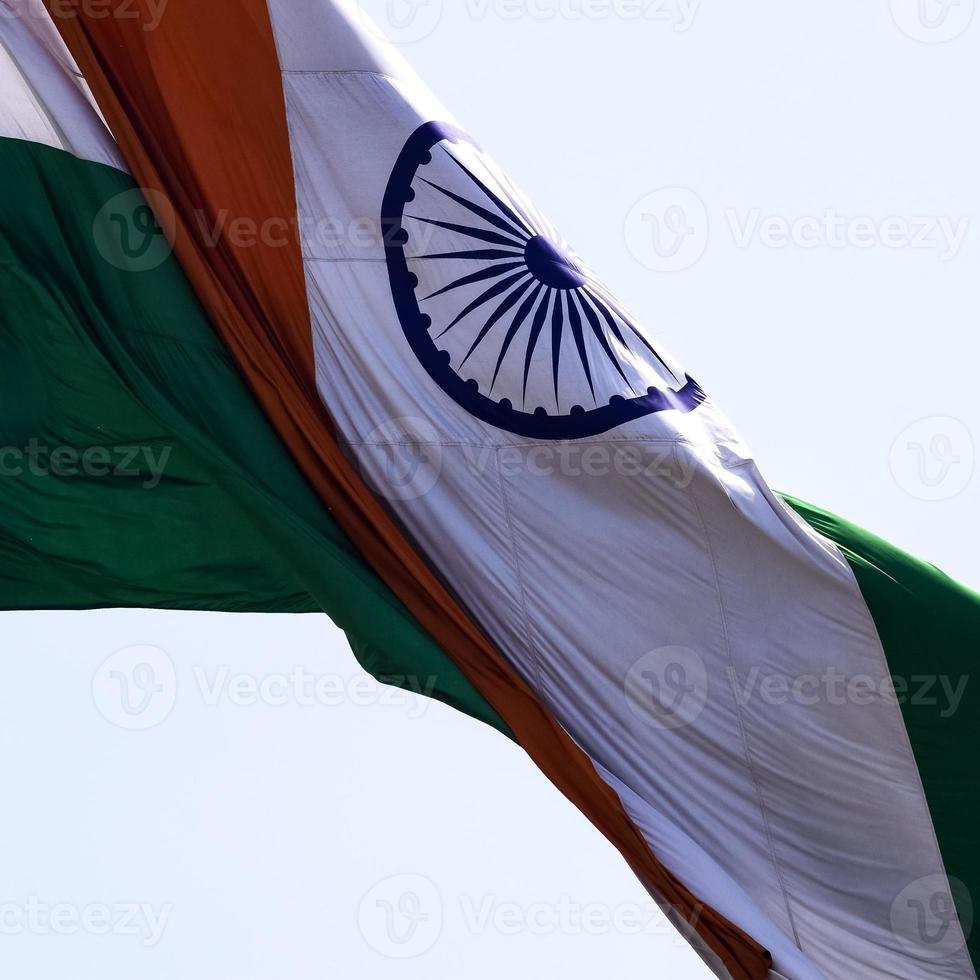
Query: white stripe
[[803, 823], [45, 100]]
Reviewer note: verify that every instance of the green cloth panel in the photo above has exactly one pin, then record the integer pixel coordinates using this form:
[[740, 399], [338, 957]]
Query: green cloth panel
[[930, 629], [93, 356]]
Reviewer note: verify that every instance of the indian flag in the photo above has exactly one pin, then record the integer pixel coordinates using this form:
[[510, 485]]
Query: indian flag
[[370, 377]]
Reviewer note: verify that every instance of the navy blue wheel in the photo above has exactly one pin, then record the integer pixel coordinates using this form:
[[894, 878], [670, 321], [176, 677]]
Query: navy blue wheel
[[501, 313]]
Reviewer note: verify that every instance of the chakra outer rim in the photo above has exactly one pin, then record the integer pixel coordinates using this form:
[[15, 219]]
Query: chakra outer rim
[[415, 325]]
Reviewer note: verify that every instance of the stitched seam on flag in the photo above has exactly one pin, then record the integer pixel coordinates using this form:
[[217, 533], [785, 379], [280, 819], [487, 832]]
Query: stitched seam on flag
[[756, 782], [535, 659], [340, 71], [522, 590]]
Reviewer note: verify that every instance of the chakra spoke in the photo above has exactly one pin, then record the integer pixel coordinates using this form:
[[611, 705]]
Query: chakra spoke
[[508, 302], [557, 329], [604, 297], [600, 335], [492, 293], [477, 233], [534, 216], [540, 316], [520, 318], [491, 272], [487, 216], [504, 209], [575, 318], [588, 301], [599, 294], [477, 254], [599, 290]]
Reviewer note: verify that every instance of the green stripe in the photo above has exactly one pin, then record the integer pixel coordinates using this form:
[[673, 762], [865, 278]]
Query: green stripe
[[97, 359], [930, 630]]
